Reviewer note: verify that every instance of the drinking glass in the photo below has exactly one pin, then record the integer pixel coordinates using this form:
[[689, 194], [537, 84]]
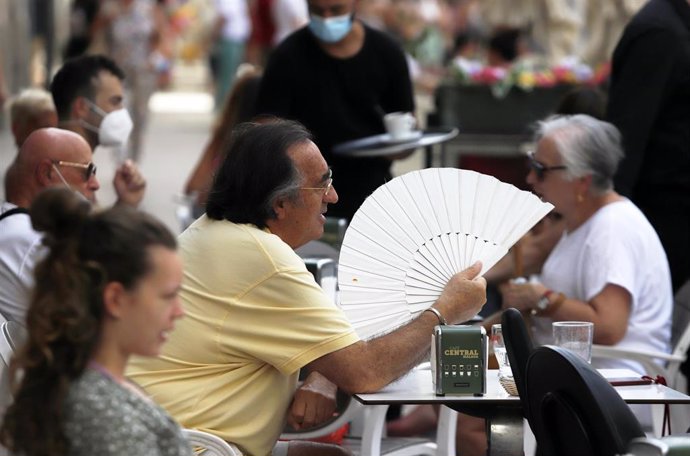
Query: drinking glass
[[575, 336], [499, 347]]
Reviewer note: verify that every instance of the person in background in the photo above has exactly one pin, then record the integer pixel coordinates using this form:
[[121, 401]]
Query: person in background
[[260, 41], [256, 316], [272, 22], [288, 16], [50, 157], [82, 20], [89, 99], [650, 106], [133, 32], [3, 85], [30, 110], [232, 30], [107, 289], [603, 23], [339, 77], [238, 108], [505, 46], [584, 100]]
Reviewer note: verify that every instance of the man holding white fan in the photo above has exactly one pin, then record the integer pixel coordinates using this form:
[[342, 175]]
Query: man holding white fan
[[255, 315]]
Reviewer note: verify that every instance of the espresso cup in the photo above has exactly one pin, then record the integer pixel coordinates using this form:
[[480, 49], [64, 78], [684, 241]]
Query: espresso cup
[[575, 336], [399, 125]]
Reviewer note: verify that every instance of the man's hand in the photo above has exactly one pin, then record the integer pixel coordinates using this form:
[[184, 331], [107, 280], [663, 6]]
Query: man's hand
[[313, 403], [129, 184], [463, 296]]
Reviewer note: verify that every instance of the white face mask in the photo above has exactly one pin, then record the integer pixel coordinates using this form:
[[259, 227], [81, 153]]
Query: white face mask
[[115, 128]]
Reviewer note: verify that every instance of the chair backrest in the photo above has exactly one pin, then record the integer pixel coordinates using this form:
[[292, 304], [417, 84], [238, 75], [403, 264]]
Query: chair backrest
[[573, 409], [673, 445], [348, 410], [334, 231], [12, 336], [209, 444], [6, 352], [519, 348]]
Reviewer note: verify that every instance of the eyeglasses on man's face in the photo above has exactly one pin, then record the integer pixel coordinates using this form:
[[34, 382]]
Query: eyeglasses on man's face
[[327, 188], [89, 168], [541, 169]]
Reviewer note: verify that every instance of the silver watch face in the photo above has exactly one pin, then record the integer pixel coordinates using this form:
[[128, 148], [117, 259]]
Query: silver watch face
[[543, 303]]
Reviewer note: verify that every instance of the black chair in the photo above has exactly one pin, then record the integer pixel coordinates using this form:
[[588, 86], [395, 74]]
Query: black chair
[[573, 410], [519, 348]]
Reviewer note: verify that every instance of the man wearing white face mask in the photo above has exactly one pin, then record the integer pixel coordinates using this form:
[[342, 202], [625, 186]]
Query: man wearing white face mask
[[89, 100], [49, 157], [339, 77]]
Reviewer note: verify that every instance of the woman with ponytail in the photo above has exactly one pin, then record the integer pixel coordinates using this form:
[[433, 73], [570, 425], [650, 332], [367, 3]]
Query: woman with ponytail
[[107, 289]]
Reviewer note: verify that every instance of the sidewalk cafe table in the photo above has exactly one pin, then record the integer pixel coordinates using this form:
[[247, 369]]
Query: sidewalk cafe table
[[502, 411]]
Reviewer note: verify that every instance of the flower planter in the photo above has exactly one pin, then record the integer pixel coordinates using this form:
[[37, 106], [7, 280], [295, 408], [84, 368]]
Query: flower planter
[[494, 132], [475, 110]]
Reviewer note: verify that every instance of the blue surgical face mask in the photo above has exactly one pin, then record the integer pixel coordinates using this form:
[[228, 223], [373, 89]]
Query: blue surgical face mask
[[331, 29]]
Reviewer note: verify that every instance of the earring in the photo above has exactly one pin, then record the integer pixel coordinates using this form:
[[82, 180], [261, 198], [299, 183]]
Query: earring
[[580, 198]]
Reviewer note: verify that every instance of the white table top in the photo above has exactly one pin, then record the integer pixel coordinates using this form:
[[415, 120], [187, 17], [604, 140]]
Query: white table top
[[417, 388]]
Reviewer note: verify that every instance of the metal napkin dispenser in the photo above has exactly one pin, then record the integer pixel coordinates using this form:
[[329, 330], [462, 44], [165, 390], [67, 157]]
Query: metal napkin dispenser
[[459, 359]]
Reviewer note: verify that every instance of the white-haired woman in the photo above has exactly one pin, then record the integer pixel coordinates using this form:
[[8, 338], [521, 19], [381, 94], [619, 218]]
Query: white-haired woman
[[609, 267]]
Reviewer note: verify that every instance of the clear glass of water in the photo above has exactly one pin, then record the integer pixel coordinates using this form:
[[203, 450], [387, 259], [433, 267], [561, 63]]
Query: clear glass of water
[[499, 347], [575, 336]]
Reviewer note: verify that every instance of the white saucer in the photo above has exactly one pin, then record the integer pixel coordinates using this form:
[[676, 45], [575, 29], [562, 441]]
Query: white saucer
[[411, 136]]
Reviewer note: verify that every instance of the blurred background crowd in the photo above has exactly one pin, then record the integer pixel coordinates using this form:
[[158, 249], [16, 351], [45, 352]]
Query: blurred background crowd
[[149, 38]]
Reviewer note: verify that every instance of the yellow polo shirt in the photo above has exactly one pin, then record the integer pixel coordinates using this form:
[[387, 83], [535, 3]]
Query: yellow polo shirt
[[254, 317]]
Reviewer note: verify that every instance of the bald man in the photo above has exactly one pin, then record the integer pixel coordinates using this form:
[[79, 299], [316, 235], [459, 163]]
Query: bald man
[[49, 157]]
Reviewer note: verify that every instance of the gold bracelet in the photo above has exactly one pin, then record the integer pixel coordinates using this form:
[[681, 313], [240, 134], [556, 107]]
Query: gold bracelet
[[441, 320]]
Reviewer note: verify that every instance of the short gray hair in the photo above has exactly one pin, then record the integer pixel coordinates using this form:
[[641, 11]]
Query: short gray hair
[[587, 146], [30, 103]]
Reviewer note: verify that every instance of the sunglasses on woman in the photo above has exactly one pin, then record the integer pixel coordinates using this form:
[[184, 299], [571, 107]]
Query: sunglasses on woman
[[541, 169]]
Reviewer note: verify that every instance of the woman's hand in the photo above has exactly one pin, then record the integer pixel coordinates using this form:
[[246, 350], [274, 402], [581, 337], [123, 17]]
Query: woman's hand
[[523, 296]]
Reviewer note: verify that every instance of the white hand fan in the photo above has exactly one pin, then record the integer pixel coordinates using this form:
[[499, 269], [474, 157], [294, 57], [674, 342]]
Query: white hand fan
[[416, 231]]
